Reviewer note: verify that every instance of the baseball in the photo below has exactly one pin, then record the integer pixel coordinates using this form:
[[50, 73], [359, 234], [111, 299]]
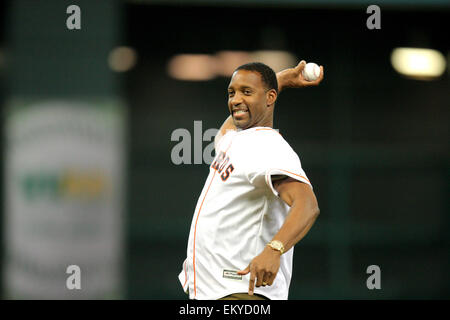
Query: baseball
[[311, 71]]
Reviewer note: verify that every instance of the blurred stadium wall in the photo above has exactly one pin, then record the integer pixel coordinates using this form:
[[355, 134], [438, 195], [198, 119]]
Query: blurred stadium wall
[[64, 151], [373, 142]]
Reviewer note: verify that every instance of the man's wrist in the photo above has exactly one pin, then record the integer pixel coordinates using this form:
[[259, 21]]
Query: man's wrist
[[280, 81]]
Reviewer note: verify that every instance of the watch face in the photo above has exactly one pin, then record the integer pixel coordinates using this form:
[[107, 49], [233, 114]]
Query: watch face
[[276, 245]]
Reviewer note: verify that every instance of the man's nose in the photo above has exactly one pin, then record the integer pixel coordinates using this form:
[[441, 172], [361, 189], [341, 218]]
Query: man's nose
[[236, 100]]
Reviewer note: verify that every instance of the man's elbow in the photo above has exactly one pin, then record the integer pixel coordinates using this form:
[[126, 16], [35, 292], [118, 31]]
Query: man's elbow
[[312, 211], [315, 211]]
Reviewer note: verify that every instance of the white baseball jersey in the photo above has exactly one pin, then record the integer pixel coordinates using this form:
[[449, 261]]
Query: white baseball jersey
[[238, 213]]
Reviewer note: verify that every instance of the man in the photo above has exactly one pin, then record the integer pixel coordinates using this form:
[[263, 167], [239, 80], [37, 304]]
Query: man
[[257, 202]]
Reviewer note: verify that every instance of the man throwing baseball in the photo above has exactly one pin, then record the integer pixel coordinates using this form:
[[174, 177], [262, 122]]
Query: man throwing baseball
[[257, 201]]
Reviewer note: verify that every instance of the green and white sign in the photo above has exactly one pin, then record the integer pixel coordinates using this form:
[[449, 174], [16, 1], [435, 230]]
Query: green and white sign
[[64, 199]]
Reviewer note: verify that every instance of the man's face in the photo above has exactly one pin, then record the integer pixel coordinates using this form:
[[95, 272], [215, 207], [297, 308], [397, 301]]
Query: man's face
[[248, 99]]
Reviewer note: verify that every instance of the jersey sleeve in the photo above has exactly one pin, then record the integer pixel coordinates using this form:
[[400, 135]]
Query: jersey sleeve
[[273, 157]]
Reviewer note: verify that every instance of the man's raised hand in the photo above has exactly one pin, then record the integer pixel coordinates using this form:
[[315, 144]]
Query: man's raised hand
[[293, 77]]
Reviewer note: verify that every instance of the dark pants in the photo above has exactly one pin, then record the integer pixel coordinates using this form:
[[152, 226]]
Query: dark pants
[[244, 296]]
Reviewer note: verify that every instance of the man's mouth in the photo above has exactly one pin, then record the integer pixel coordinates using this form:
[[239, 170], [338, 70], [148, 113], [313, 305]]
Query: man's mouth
[[239, 112]]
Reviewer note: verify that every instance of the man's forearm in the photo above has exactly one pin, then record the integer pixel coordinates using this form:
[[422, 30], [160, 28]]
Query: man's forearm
[[299, 221], [280, 81], [288, 78]]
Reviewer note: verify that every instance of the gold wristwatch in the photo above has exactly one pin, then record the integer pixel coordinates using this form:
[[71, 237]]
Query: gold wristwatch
[[276, 245]]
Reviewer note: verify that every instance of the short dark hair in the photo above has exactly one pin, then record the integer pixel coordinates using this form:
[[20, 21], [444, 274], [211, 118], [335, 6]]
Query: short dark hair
[[268, 76]]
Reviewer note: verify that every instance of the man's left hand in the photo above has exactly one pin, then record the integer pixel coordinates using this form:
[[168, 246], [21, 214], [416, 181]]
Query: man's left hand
[[263, 269]]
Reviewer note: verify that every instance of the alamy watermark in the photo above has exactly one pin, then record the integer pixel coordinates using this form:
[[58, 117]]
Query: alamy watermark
[[74, 280], [182, 152], [190, 148], [73, 21], [374, 280], [374, 20]]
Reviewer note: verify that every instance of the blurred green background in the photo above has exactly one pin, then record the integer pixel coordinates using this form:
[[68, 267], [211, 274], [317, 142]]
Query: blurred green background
[[373, 143]]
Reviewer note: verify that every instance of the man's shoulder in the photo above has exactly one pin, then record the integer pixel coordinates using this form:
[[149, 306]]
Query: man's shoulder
[[266, 143], [268, 137], [259, 133]]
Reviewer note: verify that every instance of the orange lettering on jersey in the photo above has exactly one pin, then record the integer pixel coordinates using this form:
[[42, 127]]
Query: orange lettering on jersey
[[220, 162], [227, 172], [220, 157], [223, 164]]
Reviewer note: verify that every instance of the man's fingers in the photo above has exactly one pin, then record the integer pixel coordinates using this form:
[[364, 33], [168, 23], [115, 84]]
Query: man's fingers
[[267, 280], [321, 73], [251, 286], [271, 278], [320, 78], [245, 271], [260, 278], [301, 65]]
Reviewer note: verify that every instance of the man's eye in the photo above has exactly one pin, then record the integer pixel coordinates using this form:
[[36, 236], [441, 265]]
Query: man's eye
[[247, 92], [230, 93]]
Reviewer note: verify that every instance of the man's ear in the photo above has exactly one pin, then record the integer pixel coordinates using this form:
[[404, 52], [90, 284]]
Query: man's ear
[[271, 97]]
